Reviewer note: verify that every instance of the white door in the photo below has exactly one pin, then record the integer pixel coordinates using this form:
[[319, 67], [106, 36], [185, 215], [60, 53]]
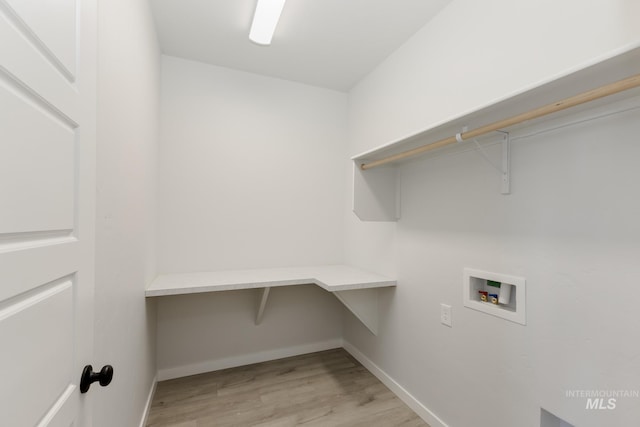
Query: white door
[[47, 192]]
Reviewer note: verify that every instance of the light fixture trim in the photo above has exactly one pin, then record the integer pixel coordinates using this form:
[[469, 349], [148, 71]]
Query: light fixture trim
[[265, 20]]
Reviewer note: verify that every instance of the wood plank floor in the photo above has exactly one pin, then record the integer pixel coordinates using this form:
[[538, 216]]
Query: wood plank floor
[[329, 388]]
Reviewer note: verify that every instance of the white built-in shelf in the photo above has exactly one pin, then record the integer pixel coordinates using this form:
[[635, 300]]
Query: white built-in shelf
[[355, 288], [375, 195], [331, 278]]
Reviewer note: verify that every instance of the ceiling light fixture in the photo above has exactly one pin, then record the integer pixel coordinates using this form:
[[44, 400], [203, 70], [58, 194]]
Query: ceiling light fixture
[[265, 20]]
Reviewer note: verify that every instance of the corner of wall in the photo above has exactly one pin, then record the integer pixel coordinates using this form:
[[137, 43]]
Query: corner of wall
[[147, 406], [423, 412]]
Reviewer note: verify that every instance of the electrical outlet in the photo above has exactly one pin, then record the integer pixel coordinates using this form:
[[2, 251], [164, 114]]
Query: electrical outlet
[[445, 314]]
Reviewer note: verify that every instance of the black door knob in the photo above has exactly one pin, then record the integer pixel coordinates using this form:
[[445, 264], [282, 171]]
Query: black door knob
[[89, 377]]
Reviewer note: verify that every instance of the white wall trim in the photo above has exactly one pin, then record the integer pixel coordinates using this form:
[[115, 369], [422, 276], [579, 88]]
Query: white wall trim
[[147, 406], [425, 413], [246, 359]]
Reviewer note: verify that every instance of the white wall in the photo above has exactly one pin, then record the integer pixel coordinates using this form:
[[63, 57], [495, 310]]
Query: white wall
[[569, 227], [208, 332], [249, 170], [249, 178], [128, 112]]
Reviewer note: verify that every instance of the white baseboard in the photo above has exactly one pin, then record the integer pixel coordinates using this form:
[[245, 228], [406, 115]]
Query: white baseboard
[[245, 359], [427, 415], [147, 407]]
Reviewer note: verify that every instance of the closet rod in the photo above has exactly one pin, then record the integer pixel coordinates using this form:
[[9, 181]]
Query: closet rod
[[592, 95]]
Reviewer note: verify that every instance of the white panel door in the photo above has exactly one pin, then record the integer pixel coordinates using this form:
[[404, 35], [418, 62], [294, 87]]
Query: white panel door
[[47, 209]]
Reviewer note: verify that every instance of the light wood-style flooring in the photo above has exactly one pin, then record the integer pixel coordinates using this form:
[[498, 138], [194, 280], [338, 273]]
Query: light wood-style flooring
[[328, 388]]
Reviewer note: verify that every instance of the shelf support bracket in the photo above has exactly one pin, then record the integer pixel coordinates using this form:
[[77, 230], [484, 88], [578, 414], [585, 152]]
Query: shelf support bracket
[[262, 303], [363, 303], [506, 163], [505, 168], [376, 196]]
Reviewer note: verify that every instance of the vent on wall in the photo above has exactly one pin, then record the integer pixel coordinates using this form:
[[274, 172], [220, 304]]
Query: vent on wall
[[496, 294]]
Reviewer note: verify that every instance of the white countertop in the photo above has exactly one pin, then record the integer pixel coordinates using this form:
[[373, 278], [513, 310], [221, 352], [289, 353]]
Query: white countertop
[[329, 277]]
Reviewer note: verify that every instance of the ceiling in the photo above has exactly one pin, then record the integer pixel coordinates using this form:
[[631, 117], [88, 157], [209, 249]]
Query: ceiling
[[326, 43]]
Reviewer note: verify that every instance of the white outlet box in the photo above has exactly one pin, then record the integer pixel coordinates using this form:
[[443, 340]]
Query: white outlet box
[[445, 314], [476, 280]]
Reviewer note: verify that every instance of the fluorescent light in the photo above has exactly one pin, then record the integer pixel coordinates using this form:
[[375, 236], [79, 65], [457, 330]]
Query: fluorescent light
[[265, 20]]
